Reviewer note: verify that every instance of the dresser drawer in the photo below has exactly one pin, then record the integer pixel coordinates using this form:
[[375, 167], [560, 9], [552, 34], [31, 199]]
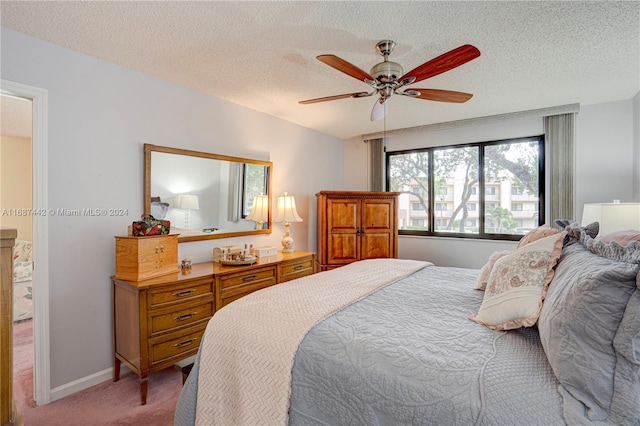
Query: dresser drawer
[[235, 286], [166, 349], [180, 293], [163, 320], [266, 275], [297, 269]]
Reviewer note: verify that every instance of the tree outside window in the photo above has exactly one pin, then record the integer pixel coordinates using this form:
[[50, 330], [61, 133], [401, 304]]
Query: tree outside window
[[492, 172]]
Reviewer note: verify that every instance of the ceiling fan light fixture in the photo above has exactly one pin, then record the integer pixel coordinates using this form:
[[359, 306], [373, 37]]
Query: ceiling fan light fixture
[[380, 109]]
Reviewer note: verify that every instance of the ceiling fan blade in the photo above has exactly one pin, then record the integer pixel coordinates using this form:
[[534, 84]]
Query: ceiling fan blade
[[336, 97], [346, 67], [442, 63], [438, 95], [379, 110]]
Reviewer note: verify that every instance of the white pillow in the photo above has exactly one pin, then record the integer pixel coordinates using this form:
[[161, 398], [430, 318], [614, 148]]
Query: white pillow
[[485, 271], [518, 284]]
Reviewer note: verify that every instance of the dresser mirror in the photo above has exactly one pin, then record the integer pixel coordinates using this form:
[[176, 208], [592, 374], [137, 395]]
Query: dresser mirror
[[205, 196]]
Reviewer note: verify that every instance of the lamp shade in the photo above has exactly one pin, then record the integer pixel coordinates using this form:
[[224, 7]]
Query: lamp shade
[[287, 209], [612, 216], [259, 209], [188, 202]]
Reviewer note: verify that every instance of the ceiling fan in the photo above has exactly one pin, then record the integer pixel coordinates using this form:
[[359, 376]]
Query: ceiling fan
[[387, 78]]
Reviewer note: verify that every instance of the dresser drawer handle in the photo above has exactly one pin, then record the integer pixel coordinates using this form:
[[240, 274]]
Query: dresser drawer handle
[[297, 267], [184, 293], [249, 278], [185, 343], [160, 249], [185, 316]]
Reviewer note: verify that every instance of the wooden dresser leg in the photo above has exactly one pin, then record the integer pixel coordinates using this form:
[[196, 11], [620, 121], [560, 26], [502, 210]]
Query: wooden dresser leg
[[144, 387], [116, 369]]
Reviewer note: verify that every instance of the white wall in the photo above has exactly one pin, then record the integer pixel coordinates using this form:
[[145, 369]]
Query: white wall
[[604, 170], [604, 153], [100, 115]]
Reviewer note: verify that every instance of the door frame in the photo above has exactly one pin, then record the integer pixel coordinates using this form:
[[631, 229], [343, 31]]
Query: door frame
[[40, 233]]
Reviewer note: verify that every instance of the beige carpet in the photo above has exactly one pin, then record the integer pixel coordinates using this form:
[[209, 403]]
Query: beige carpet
[[108, 403]]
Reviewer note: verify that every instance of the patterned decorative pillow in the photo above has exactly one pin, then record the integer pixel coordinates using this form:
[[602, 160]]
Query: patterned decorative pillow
[[22, 251], [535, 234], [518, 284], [485, 271], [590, 330]]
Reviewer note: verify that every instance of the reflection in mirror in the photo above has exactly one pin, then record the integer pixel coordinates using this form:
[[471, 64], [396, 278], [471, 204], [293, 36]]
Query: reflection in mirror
[[205, 196]]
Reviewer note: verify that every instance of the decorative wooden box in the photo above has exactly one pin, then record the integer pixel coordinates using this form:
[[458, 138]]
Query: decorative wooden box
[[141, 258]]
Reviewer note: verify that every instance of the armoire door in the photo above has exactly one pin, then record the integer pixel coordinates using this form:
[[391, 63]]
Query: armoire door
[[378, 235], [343, 231]]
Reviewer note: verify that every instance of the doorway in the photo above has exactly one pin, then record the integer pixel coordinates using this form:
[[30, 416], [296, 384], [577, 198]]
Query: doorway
[[36, 100]]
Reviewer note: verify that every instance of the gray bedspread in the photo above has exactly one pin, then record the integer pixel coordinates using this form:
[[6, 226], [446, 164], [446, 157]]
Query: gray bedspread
[[408, 354]]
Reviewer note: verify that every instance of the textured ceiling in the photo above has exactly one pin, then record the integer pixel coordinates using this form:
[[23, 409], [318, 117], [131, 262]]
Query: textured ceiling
[[262, 54]]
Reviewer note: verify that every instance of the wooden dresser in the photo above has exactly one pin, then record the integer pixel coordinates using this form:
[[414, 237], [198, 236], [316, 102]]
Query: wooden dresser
[[160, 321], [8, 414], [356, 225]]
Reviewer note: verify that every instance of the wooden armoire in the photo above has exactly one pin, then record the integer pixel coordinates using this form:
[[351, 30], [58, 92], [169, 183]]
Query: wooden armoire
[[356, 225]]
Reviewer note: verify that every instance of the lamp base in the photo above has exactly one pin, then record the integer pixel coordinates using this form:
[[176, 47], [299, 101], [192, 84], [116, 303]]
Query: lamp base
[[287, 244], [287, 241]]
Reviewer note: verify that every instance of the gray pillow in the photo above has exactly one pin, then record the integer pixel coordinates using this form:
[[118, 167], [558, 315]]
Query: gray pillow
[[574, 230], [590, 332]]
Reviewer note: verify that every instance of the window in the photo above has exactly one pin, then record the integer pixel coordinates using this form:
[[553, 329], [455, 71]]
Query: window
[[462, 171], [417, 207], [255, 182], [417, 222]]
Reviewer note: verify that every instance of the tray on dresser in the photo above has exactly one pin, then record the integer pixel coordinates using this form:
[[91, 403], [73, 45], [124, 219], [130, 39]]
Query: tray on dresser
[[239, 262]]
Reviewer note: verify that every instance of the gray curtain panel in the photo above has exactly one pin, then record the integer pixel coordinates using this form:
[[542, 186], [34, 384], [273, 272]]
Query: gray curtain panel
[[376, 164], [560, 137]]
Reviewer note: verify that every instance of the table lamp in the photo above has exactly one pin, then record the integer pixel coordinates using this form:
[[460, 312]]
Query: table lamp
[[287, 213], [187, 203], [259, 210], [612, 217]]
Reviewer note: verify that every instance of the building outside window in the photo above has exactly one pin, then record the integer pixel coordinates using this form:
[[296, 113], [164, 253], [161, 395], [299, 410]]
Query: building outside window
[[493, 188]]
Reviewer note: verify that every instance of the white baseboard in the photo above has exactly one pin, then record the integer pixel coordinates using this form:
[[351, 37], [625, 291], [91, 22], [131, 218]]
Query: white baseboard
[[85, 383]]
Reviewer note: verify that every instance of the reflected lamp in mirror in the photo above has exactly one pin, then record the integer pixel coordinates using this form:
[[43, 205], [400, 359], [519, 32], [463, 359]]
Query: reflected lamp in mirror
[[259, 210], [187, 203], [286, 213], [612, 216]]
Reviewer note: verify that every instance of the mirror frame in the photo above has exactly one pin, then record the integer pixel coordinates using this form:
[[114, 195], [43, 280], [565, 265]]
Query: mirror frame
[[149, 148]]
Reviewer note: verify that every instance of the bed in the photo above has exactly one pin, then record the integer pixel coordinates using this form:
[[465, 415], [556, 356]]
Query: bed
[[389, 341], [22, 281]]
